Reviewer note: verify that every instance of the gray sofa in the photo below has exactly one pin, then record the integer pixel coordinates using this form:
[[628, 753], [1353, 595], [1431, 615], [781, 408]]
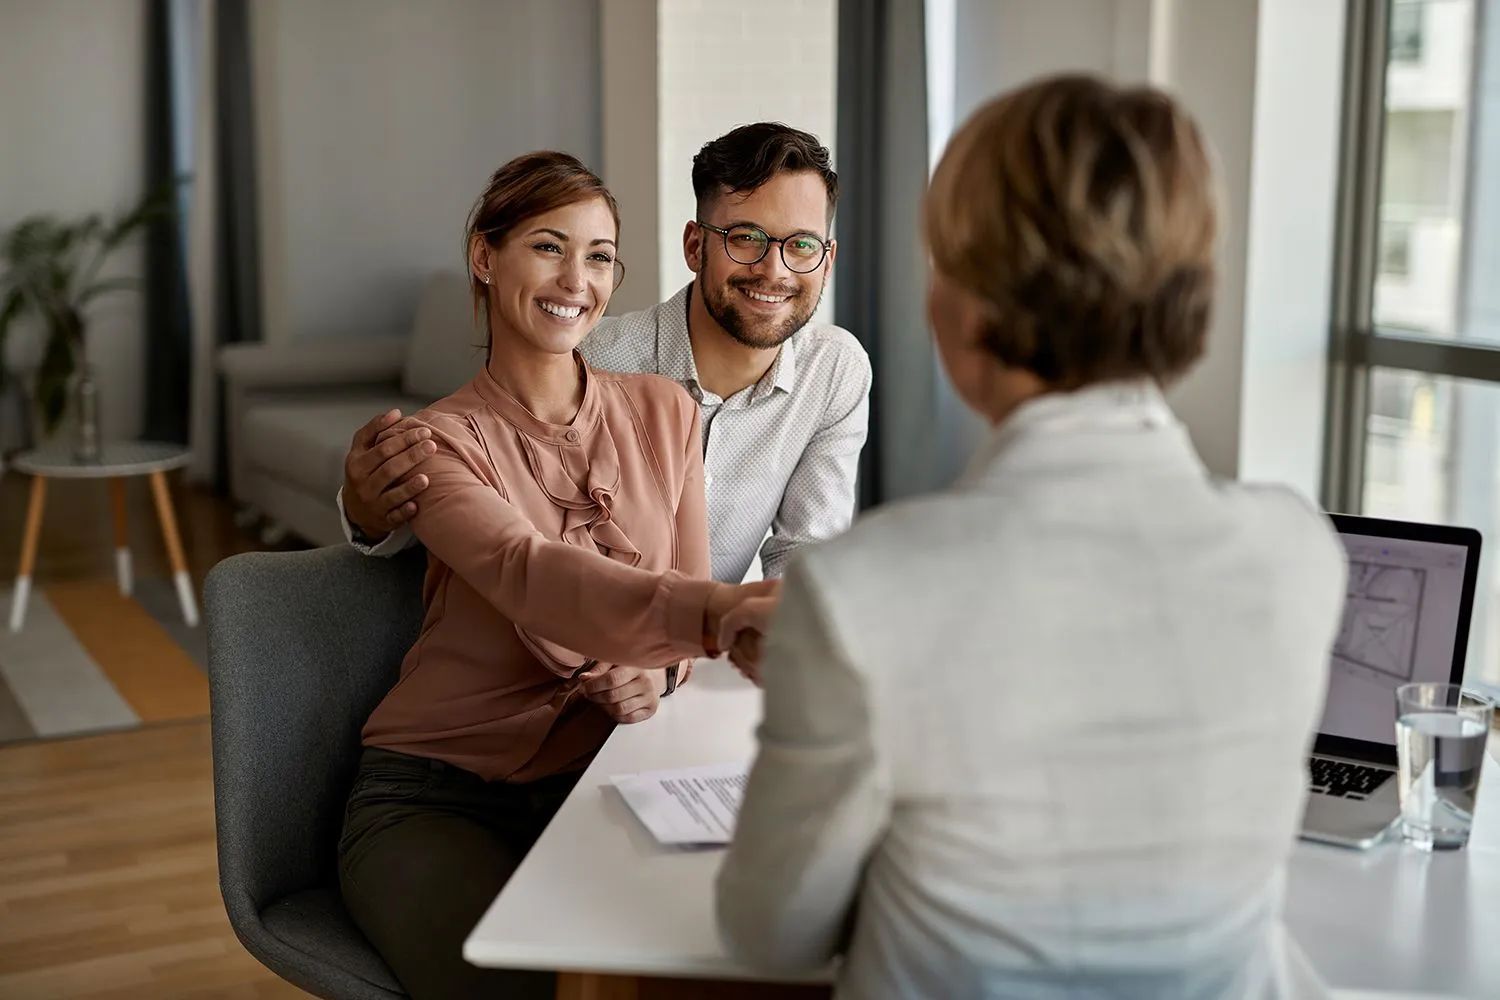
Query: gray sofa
[[293, 408]]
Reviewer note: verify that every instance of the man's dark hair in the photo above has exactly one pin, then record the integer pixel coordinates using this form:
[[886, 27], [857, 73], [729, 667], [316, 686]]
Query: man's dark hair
[[747, 157]]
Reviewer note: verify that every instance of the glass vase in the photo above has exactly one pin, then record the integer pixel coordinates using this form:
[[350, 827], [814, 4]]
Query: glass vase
[[86, 430]]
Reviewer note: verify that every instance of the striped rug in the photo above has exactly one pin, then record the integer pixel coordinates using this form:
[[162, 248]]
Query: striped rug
[[90, 659]]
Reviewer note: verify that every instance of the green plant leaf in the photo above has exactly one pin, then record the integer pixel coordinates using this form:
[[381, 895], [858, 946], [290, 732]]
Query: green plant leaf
[[155, 205], [50, 266]]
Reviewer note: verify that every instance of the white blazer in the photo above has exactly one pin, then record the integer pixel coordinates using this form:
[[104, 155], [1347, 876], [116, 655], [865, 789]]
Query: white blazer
[[1044, 734]]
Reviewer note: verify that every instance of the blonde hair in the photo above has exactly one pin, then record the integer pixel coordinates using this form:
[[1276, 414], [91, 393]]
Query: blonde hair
[[1084, 216]]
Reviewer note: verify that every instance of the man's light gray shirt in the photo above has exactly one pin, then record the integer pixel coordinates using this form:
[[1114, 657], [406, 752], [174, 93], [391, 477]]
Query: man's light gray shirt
[[781, 455]]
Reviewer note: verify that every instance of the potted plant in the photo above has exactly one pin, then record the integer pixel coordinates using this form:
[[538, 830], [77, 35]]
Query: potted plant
[[50, 269]]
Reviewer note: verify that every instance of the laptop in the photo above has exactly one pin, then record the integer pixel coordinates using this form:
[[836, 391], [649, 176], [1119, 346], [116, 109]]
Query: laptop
[[1406, 619]]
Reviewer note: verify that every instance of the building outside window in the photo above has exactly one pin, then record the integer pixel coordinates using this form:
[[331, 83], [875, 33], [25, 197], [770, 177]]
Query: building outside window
[[1415, 402], [1406, 30]]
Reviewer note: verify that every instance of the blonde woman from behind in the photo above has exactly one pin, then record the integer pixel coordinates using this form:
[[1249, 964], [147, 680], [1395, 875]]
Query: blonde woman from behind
[[1043, 734]]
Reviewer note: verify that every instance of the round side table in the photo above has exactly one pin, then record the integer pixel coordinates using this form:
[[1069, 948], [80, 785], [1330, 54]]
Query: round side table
[[117, 461]]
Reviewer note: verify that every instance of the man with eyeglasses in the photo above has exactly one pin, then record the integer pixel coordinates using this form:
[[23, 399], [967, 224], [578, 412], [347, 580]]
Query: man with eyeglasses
[[785, 402]]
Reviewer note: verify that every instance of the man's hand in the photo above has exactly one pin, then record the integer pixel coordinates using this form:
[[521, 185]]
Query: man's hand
[[379, 488], [627, 694], [746, 653], [738, 617]]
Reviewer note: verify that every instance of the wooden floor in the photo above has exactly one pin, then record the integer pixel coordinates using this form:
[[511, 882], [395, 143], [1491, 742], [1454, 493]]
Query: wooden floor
[[108, 877]]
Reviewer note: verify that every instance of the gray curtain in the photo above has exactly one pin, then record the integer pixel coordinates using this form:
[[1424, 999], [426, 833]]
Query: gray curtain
[[919, 438], [237, 255], [170, 60]]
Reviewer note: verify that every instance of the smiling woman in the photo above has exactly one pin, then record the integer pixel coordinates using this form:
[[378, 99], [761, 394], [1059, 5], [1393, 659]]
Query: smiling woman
[[564, 519], [573, 227]]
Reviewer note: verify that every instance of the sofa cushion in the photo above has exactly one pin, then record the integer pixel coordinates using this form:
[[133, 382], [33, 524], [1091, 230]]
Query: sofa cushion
[[309, 516], [304, 441], [442, 356]]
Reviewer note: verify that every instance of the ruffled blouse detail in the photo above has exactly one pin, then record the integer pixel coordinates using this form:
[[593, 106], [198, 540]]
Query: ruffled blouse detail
[[578, 466]]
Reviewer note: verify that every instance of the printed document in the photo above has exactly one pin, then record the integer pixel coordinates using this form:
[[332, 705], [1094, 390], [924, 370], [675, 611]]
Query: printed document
[[694, 805]]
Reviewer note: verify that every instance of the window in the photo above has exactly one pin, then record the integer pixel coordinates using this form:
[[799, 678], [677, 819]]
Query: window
[[1406, 31], [1395, 250], [1415, 394]]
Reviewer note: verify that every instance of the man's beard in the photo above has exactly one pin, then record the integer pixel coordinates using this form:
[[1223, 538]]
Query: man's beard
[[752, 332]]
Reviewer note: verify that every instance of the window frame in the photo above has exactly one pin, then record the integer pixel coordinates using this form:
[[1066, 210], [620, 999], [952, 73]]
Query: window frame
[[1357, 345]]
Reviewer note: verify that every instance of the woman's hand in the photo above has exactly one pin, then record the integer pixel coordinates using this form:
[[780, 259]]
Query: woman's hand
[[627, 694], [737, 617], [746, 653]]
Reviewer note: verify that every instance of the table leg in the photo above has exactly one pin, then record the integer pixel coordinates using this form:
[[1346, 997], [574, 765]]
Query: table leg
[[123, 569], [589, 986], [28, 552], [597, 986], [168, 520]]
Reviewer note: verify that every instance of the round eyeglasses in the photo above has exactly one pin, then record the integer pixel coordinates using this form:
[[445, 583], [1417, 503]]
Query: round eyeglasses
[[800, 252]]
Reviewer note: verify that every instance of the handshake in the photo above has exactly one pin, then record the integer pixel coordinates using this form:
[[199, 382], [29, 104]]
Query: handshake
[[735, 621]]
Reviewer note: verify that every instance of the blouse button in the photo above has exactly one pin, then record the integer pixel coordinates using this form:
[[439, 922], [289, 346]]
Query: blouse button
[[572, 435]]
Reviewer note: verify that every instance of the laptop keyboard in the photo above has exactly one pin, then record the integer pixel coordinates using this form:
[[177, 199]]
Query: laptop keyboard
[[1344, 780]]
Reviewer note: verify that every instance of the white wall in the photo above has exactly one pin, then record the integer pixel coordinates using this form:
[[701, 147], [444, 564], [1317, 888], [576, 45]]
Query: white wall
[[994, 45], [630, 129], [1294, 177], [1004, 44], [379, 123], [1210, 65], [1264, 80], [71, 102], [1262, 77], [723, 65]]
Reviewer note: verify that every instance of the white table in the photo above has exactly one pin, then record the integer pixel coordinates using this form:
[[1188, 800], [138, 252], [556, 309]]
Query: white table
[[1394, 918], [117, 461], [597, 894]]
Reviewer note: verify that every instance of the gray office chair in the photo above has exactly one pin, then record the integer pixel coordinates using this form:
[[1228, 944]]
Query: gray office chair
[[301, 647]]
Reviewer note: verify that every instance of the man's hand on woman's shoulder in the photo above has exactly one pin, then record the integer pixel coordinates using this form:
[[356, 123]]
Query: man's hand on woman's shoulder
[[379, 488]]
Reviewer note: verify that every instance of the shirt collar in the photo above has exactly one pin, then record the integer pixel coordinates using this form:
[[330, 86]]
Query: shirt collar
[[674, 351], [1135, 403], [783, 372], [515, 413], [674, 348], [1117, 410]]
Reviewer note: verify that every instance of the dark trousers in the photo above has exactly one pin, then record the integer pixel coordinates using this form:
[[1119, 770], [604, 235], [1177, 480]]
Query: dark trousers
[[426, 847]]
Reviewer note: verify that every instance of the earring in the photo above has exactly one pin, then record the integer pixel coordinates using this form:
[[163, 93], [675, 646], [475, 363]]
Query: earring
[[486, 279]]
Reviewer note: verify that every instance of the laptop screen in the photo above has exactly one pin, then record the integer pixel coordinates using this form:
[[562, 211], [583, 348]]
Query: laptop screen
[[1402, 619]]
